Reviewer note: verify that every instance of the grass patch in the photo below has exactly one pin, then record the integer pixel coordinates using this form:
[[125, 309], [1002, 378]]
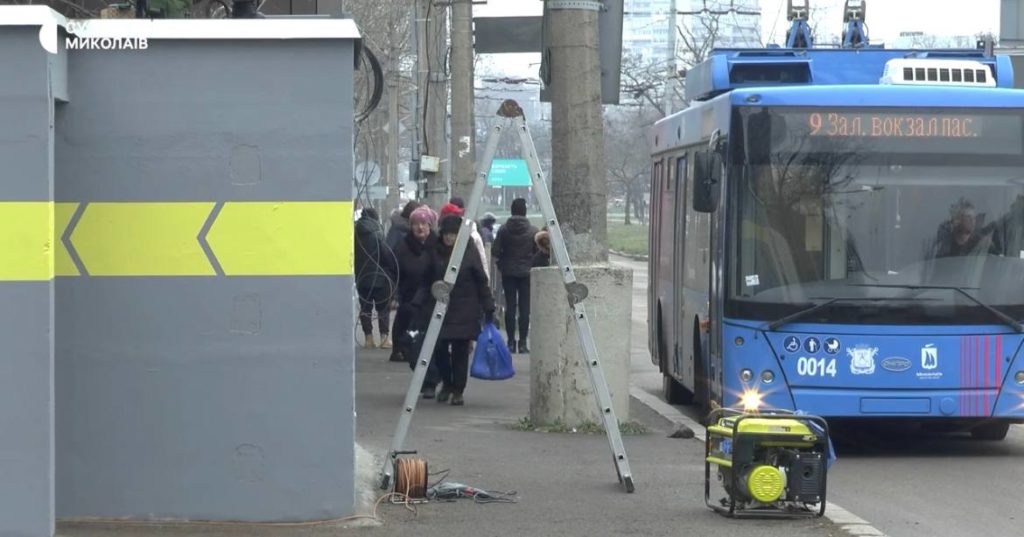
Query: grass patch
[[631, 239], [628, 428]]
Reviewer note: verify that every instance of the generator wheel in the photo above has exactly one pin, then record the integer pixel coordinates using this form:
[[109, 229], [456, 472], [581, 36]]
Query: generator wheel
[[993, 430]]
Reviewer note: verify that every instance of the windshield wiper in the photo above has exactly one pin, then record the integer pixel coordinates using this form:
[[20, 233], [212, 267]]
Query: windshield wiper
[[1009, 321], [774, 325]]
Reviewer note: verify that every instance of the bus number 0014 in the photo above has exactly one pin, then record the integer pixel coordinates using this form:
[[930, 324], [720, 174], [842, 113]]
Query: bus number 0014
[[815, 367]]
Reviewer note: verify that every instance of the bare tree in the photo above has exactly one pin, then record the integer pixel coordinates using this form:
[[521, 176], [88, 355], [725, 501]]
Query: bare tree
[[385, 26], [643, 83], [627, 156]]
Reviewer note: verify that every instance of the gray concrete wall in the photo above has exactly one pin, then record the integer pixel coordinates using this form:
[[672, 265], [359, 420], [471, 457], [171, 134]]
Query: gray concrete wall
[[199, 396], [26, 288]]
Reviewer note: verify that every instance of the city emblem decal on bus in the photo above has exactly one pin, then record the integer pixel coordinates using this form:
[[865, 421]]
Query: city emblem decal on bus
[[862, 359], [929, 356], [896, 364]]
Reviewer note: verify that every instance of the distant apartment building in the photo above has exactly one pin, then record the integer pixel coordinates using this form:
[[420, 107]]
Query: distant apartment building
[[645, 28], [646, 25]]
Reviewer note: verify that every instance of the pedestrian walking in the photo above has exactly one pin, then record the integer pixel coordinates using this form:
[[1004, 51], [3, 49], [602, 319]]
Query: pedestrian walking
[[400, 224], [376, 270], [415, 270], [457, 206], [470, 305], [514, 248]]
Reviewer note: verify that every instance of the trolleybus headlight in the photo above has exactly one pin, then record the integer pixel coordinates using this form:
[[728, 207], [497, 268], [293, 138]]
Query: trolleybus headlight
[[1019, 377], [767, 376], [751, 400], [746, 375]]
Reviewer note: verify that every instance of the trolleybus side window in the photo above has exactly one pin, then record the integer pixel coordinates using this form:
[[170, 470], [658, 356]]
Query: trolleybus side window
[[682, 216], [656, 211]]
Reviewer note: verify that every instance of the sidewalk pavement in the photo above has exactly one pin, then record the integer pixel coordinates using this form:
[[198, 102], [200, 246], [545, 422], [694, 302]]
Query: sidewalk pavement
[[566, 482]]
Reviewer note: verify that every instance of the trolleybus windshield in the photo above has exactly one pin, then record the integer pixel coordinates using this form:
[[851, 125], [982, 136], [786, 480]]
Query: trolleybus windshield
[[885, 209]]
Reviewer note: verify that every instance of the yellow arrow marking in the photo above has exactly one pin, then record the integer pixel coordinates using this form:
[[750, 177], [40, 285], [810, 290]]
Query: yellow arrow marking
[[283, 238], [142, 239], [62, 213], [26, 241]]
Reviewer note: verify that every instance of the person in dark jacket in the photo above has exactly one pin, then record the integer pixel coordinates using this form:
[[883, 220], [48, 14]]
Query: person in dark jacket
[[514, 248], [400, 225], [415, 270], [470, 305], [487, 228], [542, 257], [376, 271]]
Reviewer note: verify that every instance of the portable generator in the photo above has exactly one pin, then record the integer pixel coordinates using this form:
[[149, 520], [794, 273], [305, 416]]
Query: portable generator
[[770, 463]]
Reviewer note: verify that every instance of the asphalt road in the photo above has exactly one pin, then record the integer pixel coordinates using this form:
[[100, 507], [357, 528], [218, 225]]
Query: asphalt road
[[904, 482]]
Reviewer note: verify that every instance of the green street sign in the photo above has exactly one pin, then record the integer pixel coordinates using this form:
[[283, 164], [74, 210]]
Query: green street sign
[[509, 172]]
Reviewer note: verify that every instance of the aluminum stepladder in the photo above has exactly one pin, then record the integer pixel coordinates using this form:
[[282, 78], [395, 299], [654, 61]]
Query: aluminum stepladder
[[511, 113]]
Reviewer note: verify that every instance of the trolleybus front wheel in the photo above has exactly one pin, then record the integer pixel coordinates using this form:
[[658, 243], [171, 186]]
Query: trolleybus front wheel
[[993, 430]]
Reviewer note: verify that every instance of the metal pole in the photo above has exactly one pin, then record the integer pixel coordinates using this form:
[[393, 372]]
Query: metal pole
[[419, 33], [394, 89], [579, 186], [463, 131], [670, 81], [436, 46]]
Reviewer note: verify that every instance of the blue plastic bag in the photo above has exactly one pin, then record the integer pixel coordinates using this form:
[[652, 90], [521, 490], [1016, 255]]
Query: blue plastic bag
[[492, 359]]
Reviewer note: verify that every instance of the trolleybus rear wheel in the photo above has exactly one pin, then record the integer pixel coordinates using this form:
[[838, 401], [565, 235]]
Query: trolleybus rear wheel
[[673, 392]]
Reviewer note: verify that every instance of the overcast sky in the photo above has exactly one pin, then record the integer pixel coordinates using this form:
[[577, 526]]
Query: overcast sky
[[885, 20]]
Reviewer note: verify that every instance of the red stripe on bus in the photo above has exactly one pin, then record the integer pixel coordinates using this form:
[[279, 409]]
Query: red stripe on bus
[[999, 363], [988, 381], [975, 377], [964, 377]]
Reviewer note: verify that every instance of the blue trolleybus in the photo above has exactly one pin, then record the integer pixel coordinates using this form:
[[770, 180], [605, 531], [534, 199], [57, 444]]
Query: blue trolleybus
[[841, 232]]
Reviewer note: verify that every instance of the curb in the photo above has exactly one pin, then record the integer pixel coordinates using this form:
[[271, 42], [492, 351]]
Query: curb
[[667, 412], [634, 257], [845, 521]]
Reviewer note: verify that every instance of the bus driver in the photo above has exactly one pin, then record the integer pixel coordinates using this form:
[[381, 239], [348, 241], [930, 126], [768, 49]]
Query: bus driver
[[960, 235]]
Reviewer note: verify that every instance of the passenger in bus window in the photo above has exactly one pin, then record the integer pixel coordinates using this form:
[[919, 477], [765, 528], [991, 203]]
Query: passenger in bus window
[[961, 235]]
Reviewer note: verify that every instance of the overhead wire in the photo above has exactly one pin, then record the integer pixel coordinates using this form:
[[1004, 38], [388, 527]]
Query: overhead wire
[[376, 90]]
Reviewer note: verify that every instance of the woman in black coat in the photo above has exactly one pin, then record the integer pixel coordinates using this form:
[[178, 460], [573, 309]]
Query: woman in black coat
[[469, 306], [416, 255]]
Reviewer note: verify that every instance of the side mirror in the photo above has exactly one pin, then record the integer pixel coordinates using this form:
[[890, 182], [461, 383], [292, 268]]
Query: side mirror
[[707, 175]]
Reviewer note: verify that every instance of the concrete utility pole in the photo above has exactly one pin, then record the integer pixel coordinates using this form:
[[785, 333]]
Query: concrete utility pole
[[670, 82], [463, 131], [432, 55], [416, 102], [393, 89], [579, 186]]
